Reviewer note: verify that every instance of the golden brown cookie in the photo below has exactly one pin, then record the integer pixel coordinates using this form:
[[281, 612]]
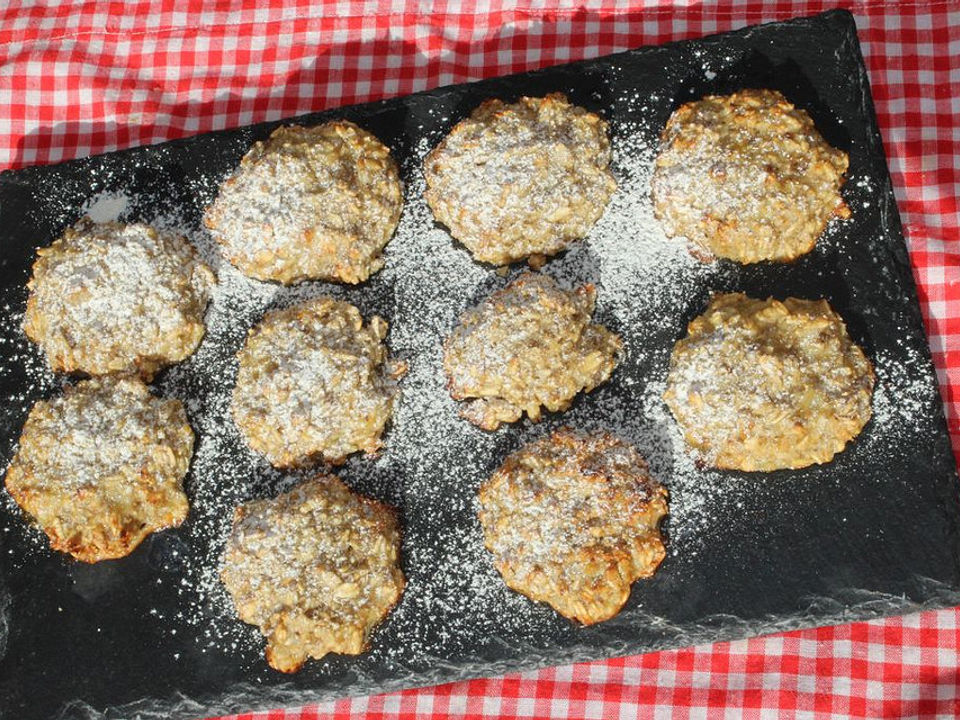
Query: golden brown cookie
[[115, 298], [747, 177], [528, 345], [309, 203], [520, 180], [316, 569], [763, 385], [315, 383], [101, 467], [572, 520]]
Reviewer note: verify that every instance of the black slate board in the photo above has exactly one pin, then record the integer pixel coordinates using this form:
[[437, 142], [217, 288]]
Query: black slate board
[[873, 533]]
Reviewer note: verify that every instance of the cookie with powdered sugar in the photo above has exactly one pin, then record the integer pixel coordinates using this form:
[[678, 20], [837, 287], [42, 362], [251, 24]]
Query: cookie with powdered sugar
[[316, 569], [762, 385], [572, 519], [529, 346], [315, 382], [309, 203], [117, 298], [747, 177], [521, 180], [101, 466]]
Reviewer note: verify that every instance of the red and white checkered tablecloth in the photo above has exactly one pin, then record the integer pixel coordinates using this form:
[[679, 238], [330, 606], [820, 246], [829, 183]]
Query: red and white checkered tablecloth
[[81, 77]]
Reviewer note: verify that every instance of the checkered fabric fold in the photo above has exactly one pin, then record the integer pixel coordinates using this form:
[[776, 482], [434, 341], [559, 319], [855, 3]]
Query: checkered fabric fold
[[78, 78]]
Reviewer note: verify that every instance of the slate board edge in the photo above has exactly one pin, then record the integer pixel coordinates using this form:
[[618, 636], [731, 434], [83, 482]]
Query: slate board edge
[[896, 240], [252, 698]]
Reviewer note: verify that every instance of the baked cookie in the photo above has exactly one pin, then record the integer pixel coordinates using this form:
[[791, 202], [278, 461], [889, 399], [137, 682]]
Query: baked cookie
[[747, 177], [572, 520], [521, 180], [114, 298], [763, 385], [315, 383], [316, 569], [528, 345], [101, 467], [309, 203]]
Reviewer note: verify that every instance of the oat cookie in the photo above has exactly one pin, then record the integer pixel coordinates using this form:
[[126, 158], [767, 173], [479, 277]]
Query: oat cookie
[[521, 180], [528, 345], [309, 203], [572, 520], [315, 383], [747, 177], [101, 467], [115, 298], [316, 569], [763, 385]]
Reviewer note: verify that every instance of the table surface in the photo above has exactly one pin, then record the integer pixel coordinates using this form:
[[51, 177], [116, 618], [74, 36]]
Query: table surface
[[80, 78]]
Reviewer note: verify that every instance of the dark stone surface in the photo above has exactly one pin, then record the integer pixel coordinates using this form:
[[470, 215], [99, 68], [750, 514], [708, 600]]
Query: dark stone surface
[[862, 537]]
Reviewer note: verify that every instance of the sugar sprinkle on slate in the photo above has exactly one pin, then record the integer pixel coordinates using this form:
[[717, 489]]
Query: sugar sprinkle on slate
[[454, 597]]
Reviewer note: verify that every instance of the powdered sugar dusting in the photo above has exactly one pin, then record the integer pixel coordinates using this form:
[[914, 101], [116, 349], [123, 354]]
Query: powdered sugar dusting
[[901, 398], [434, 461], [521, 179], [117, 297], [106, 207], [309, 202], [428, 281]]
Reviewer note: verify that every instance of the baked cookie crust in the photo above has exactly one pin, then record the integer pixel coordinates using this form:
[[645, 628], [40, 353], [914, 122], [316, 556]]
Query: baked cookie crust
[[529, 346], [309, 203], [747, 177], [521, 180], [316, 569], [115, 298], [315, 383], [101, 466], [572, 519], [762, 385]]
